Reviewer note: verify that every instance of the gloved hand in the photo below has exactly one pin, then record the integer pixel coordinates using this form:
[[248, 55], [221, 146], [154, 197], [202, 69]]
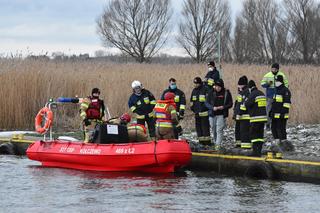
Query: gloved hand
[[179, 130], [86, 122]]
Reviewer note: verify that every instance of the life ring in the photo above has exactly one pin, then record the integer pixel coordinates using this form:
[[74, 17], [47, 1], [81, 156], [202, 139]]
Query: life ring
[[48, 115]]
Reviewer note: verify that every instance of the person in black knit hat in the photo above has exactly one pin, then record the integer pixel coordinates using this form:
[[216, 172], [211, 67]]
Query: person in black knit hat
[[198, 107], [241, 116], [279, 115], [219, 101]]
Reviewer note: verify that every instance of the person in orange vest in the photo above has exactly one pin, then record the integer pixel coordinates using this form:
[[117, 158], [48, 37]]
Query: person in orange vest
[[166, 117], [91, 112]]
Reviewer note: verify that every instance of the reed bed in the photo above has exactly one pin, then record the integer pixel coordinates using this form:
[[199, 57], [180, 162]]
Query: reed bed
[[26, 85]]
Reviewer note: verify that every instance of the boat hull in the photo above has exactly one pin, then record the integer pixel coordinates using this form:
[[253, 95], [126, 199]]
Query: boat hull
[[157, 157]]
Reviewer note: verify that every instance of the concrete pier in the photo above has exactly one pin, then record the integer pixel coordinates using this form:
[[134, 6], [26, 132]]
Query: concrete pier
[[301, 170]]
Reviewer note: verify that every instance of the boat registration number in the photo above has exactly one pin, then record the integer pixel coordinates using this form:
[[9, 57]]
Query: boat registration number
[[66, 149], [125, 150]]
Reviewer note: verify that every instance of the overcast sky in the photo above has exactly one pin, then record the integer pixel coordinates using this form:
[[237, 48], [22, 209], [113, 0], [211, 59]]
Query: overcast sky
[[41, 26]]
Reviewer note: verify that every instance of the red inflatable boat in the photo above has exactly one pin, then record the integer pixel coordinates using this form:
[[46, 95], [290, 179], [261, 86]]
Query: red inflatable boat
[[162, 156]]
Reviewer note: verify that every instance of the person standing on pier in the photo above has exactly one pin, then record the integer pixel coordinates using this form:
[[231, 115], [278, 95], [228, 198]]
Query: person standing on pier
[[280, 114], [241, 119], [198, 107], [256, 106]]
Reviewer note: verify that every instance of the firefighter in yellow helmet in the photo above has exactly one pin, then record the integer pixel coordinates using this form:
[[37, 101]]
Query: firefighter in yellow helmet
[[166, 117], [91, 112]]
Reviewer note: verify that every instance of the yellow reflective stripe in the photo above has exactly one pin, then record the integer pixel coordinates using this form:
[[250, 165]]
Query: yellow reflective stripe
[[246, 145], [202, 98], [160, 115], [257, 140], [258, 118], [244, 117], [276, 115], [146, 100], [262, 97], [176, 98], [262, 103], [140, 116], [133, 108], [286, 115], [83, 115], [173, 112], [210, 81], [163, 124], [154, 102], [194, 98], [261, 100], [279, 98], [151, 114], [135, 128], [239, 98], [287, 105], [161, 105], [84, 104], [183, 107], [243, 107], [202, 114]]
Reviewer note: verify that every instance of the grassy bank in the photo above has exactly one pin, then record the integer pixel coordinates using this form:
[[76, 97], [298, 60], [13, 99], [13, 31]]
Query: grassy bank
[[26, 85]]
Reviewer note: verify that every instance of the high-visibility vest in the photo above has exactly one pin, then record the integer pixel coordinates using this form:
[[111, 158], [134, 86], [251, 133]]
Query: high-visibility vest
[[162, 114]]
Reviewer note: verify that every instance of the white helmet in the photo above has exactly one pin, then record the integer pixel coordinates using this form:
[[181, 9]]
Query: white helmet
[[135, 84]]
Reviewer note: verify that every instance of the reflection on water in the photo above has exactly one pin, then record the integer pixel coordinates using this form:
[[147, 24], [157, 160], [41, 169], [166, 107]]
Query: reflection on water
[[27, 187]]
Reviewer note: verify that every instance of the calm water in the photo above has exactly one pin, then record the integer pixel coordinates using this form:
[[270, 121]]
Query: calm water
[[28, 187]]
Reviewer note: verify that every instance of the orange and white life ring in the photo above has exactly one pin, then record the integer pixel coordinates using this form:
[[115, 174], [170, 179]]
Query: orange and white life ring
[[47, 114]]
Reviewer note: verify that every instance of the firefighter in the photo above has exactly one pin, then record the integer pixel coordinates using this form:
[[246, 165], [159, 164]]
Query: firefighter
[[219, 101], [198, 107], [243, 92], [91, 112], [256, 106], [179, 100], [141, 103], [166, 117], [280, 114], [212, 75], [268, 82]]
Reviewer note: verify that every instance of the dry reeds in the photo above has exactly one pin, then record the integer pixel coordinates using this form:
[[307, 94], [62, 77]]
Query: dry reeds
[[26, 85]]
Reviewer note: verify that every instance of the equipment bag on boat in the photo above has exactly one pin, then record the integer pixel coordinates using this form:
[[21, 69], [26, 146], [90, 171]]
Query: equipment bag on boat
[[110, 133]]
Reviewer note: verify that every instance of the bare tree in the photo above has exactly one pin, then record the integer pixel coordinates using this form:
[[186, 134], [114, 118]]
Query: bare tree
[[302, 17], [138, 28], [248, 33], [201, 21], [239, 41], [260, 34]]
